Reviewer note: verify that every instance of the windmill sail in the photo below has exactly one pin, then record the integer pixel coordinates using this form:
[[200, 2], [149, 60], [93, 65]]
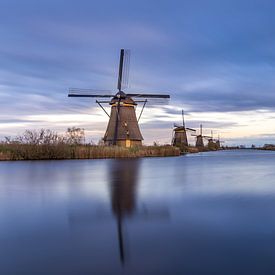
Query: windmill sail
[[149, 95], [123, 73], [182, 114], [76, 92]]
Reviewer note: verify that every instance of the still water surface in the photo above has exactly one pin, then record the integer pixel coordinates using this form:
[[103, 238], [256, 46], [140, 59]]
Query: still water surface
[[209, 213]]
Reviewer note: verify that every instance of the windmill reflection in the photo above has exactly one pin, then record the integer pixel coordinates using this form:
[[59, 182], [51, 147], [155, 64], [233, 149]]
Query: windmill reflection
[[124, 176], [123, 184]]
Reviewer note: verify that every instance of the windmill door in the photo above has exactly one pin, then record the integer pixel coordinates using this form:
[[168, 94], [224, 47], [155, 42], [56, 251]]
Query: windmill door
[[128, 143]]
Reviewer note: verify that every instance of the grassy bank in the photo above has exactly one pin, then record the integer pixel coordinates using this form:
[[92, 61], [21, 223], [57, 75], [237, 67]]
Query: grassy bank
[[194, 150], [65, 151], [267, 148]]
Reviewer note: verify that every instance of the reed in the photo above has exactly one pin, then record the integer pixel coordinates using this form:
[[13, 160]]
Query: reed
[[46, 144], [65, 151]]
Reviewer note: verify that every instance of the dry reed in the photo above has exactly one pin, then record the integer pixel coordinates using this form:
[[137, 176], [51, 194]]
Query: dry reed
[[65, 151]]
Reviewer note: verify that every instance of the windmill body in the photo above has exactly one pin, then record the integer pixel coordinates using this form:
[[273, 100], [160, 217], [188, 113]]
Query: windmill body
[[180, 137], [219, 142], [211, 142], [123, 129], [200, 139], [214, 144], [127, 131], [180, 134]]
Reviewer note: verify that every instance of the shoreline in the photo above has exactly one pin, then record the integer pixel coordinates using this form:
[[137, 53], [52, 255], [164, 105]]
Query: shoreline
[[21, 152]]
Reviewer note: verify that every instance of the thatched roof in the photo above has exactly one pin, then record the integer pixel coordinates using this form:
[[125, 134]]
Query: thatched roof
[[127, 124], [179, 128]]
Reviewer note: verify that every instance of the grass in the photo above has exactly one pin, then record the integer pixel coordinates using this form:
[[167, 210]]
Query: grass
[[16, 151]]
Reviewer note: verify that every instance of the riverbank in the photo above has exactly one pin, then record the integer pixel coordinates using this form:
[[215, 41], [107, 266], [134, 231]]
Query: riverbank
[[65, 151], [268, 147]]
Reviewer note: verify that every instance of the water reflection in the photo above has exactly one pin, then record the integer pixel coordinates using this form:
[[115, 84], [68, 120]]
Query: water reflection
[[111, 216], [124, 175], [123, 183]]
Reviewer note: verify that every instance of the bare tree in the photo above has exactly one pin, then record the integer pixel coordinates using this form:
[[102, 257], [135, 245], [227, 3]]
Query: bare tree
[[75, 136]]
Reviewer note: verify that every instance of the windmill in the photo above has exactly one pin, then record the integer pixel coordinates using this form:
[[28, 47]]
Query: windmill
[[180, 134], [199, 138], [218, 142], [123, 128], [212, 145]]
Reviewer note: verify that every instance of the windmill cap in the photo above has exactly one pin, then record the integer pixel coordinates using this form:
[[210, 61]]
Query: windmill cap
[[123, 98]]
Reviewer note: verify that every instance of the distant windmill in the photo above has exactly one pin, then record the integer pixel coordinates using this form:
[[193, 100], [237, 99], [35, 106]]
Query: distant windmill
[[123, 128], [218, 142], [212, 145], [180, 134], [199, 138]]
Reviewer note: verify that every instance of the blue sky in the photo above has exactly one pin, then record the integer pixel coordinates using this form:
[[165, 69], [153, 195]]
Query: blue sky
[[215, 58]]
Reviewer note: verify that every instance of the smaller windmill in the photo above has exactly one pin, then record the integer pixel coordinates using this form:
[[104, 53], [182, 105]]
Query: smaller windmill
[[218, 142], [180, 134], [200, 139], [212, 145]]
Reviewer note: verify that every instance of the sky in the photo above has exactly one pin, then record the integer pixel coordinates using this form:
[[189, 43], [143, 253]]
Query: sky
[[216, 59]]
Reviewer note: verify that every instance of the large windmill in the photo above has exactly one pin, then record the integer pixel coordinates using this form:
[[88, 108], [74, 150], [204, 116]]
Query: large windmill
[[123, 128], [180, 134]]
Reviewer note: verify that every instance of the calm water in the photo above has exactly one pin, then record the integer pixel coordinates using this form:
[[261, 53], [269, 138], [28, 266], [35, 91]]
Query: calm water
[[210, 213]]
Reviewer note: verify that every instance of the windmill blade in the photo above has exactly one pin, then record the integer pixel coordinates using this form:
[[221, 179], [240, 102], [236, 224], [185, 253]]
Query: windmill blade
[[125, 70], [123, 73], [182, 114], [152, 102], [75, 92], [88, 95], [190, 129], [149, 95], [152, 99], [120, 69]]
